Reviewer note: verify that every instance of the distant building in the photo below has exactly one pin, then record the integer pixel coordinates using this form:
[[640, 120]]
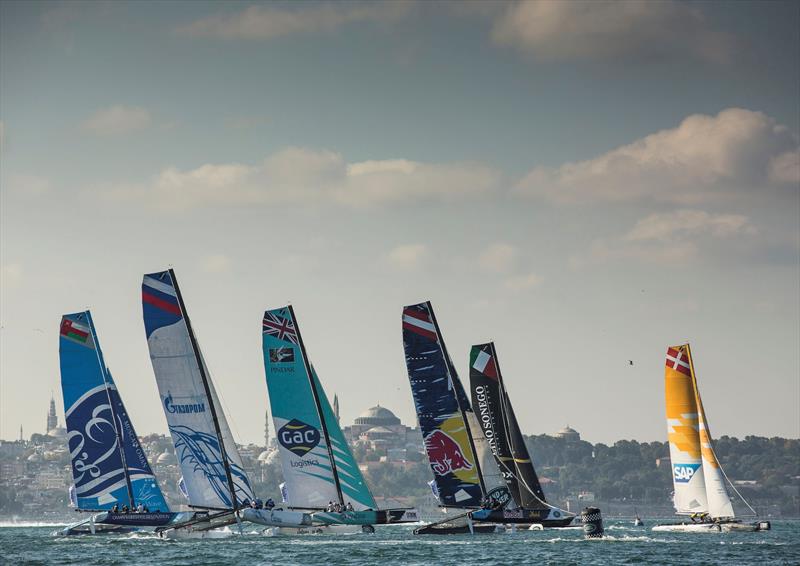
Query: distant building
[[378, 428], [52, 419], [568, 434]]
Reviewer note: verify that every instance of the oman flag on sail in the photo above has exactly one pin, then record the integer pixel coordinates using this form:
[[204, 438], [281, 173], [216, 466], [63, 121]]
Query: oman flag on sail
[[74, 331]]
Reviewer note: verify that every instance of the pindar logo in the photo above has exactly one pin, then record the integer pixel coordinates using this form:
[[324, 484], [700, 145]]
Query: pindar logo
[[445, 454], [298, 437]]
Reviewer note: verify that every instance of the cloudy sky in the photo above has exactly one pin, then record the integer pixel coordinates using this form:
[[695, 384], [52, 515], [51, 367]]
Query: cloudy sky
[[585, 183]]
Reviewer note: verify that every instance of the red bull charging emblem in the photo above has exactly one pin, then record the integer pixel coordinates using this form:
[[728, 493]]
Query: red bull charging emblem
[[445, 454]]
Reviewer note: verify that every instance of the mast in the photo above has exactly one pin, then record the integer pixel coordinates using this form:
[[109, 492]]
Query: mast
[[317, 403], [104, 371], [204, 377], [448, 363]]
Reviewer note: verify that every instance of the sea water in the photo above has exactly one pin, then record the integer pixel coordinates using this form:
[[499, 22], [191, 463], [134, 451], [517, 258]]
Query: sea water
[[396, 544]]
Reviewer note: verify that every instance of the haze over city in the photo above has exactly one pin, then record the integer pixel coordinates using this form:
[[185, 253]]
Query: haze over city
[[583, 199]]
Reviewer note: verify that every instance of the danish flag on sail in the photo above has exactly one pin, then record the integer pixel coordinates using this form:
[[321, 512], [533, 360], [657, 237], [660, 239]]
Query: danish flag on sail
[[678, 360], [419, 321]]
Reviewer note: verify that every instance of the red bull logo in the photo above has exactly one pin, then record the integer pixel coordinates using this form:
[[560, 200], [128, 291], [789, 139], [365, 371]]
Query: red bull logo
[[445, 454]]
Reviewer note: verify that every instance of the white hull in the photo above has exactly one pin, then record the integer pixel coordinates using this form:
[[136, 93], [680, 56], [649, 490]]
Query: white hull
[[280, 518], [190, 534], [315, 530], [688, 528]]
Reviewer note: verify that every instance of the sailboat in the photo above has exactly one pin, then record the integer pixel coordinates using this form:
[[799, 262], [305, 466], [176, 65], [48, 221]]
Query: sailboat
[[496, 416], [213, 475], [318, 467], [466, 475], [697, 475], [109, 468]]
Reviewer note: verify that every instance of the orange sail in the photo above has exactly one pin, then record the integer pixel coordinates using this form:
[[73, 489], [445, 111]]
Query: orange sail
[[683, 432]]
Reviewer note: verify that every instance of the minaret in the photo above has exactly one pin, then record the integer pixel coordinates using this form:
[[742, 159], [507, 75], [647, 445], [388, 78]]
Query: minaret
[[21, 438], [52, 419], [336, 407], [266, 428]]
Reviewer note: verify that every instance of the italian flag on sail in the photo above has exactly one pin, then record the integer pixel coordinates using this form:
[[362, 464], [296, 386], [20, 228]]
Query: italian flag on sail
[[75, 331], [484, 363]]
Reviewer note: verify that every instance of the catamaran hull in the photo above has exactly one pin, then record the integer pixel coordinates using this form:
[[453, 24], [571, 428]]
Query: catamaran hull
[[545, 517], [722, 527], [122, 523], [320, 530], [278, 518], [369, 517], [445, 529]]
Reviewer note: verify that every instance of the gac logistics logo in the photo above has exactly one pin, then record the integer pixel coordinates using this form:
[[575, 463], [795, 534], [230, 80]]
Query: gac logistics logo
[[683, 473], [281, 355], [298, 437]]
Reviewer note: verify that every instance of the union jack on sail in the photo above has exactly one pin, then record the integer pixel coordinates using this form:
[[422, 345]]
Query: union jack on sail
[[279, 327]]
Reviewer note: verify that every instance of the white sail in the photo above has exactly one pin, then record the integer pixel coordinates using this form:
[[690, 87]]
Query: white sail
[[187, 407]]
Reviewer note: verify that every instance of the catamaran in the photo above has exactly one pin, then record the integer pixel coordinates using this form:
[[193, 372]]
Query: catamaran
[[213, 475], [466, 474], [319, 470], [496, 416], [109, 468], [697, 475]]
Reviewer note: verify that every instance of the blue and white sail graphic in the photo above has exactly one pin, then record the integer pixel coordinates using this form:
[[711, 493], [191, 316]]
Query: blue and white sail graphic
[[308, 472], [179, 370], [108, 465]]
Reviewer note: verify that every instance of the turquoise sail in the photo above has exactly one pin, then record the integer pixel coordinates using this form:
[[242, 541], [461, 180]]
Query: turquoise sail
[[109, 466], [318, 466]]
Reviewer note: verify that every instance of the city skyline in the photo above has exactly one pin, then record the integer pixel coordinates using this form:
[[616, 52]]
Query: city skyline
[[582, 199]]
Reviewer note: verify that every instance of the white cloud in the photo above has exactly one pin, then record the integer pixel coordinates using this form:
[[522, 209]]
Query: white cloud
[[407, 257], [523, 282], [670, 237], [666, 227], [11, 275], [701, 158], [269, 21], [785, 168], [558, 30], [29, 185], [300, 175], [117, 120], [499, 258], [216, 263]]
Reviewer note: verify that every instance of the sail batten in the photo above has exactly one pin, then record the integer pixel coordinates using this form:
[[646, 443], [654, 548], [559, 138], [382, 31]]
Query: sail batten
[[212, 469], [109, 466]]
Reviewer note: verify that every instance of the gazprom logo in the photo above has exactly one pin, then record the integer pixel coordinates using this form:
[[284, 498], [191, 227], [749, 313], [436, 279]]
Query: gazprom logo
[[172, 407], [683, 473], [298, 437]]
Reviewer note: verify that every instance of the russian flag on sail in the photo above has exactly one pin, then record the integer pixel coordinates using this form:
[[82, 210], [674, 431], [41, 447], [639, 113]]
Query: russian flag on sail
[[419, 321]]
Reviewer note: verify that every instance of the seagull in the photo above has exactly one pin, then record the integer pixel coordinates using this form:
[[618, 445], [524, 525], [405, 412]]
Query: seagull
[[630, 362]]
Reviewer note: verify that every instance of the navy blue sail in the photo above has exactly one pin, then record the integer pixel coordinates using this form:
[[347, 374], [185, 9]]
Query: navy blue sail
[[109, 466]]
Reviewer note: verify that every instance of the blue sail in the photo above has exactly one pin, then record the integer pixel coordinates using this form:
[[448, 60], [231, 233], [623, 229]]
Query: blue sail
[[109, 466], [438, 399]]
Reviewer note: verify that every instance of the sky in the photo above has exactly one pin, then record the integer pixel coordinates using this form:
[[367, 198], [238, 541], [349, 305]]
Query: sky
[[585, 183]]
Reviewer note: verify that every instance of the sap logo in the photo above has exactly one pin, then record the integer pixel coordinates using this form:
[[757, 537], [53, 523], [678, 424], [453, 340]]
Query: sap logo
[[171, 407], [683, 473], [298, 437], [281, 355]]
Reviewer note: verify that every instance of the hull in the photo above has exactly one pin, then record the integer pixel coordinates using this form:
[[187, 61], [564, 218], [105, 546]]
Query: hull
[[201, 523], [457, 529], [320, 530], [719, 527], [544, 517], [123, 523], [277, 518], [370, 517]]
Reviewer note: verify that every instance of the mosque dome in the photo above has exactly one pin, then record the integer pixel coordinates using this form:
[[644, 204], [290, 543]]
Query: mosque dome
[[166, 458], [568, 433], [377, 416]]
